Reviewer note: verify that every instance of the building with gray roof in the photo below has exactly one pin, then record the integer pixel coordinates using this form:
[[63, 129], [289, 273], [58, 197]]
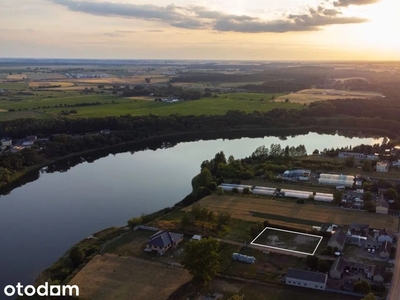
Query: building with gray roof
[[307, 279]]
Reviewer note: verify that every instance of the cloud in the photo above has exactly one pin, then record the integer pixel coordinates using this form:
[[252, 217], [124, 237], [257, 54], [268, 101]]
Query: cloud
[[345, 3], [155, 30], [197, 17]]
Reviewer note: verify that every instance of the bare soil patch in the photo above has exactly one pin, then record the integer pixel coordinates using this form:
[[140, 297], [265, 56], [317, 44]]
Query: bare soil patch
[[108, 277]]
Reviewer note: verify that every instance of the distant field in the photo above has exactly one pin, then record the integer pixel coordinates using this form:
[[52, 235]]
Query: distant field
[[122, 80], [5, 116], [63, 84], [16, 76], [13, 85], [108, 277], [258, 209], [311, 95]]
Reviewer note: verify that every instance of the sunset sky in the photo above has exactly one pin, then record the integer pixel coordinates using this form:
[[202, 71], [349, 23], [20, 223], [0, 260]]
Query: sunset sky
[[201, 29]]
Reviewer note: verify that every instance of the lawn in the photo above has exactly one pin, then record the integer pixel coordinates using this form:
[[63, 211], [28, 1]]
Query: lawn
[[13, 85], [109, 276], [247, 102], [129, 244], [259, 209]]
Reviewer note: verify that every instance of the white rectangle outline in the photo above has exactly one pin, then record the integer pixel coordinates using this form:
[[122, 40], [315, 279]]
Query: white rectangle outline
[[287, 250]]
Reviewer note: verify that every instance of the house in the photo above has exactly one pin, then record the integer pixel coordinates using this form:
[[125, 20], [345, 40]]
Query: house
[[379, 273], [27, 143], [337, 268], [6, 142], [385, 249], [385, 235], [163, 240], [359, 229], [307, 279], [382, 206], [31, 138], [382, 166], [337, 240]]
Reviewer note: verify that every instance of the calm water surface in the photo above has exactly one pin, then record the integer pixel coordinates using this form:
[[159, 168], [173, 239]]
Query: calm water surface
[[42, 219]]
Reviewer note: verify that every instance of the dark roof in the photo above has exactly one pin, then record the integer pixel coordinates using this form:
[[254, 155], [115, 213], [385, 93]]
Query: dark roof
[[386, 246], [380, 270], [339, 264], [306, 275], [359, 227], [339, 236], [164, 238], [386, 232]]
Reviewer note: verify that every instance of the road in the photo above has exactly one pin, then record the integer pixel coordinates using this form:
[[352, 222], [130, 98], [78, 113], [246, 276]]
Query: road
[[394, 293]]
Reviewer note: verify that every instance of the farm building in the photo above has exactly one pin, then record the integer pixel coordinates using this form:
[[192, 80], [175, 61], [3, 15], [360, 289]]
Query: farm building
[[382, 166], [297, 174], [307, 279], [385, 250], [337, 240], [336, 180], [163, 240], [337, 268], [323, 197], [228, 187], [358, 155], [385, 235], [297, 194]]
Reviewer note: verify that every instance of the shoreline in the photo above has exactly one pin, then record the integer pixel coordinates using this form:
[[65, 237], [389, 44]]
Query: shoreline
[[219, 134]]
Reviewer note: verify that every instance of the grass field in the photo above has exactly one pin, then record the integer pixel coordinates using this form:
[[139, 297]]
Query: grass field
[[288, 240], [109, 276], [247, 102], [254, 209], [311, 95], [130, 244], [16, 77], [13, 85]]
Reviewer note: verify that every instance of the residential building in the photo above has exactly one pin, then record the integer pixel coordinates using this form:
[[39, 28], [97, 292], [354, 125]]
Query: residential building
[[337, 240], [385, 235], [379, 274], [6, 142], [382, 166], [337, 268], [382, 206], [307, 279], [163, 240], [385, 250], [359, 229]]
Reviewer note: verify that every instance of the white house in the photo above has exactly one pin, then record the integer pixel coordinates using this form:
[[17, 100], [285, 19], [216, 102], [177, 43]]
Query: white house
[[307, 279], [382, 166], [6, 142]]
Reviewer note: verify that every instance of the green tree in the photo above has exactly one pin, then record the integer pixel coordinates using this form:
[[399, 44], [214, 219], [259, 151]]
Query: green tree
[[370, 296], [77, 256], [186, 221], [220, 191], [362, 287], [204, 178], [369, 206], [201, 259], [392, 194], [316, 152], [337, 197], [367, 196], [367, 166], [256, 229], [135, 222]]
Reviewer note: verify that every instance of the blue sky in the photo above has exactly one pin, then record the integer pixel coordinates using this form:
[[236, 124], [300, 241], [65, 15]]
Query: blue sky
[[202, 29]]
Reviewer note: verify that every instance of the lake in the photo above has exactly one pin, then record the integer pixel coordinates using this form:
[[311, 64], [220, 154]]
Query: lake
[[42, 219]]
